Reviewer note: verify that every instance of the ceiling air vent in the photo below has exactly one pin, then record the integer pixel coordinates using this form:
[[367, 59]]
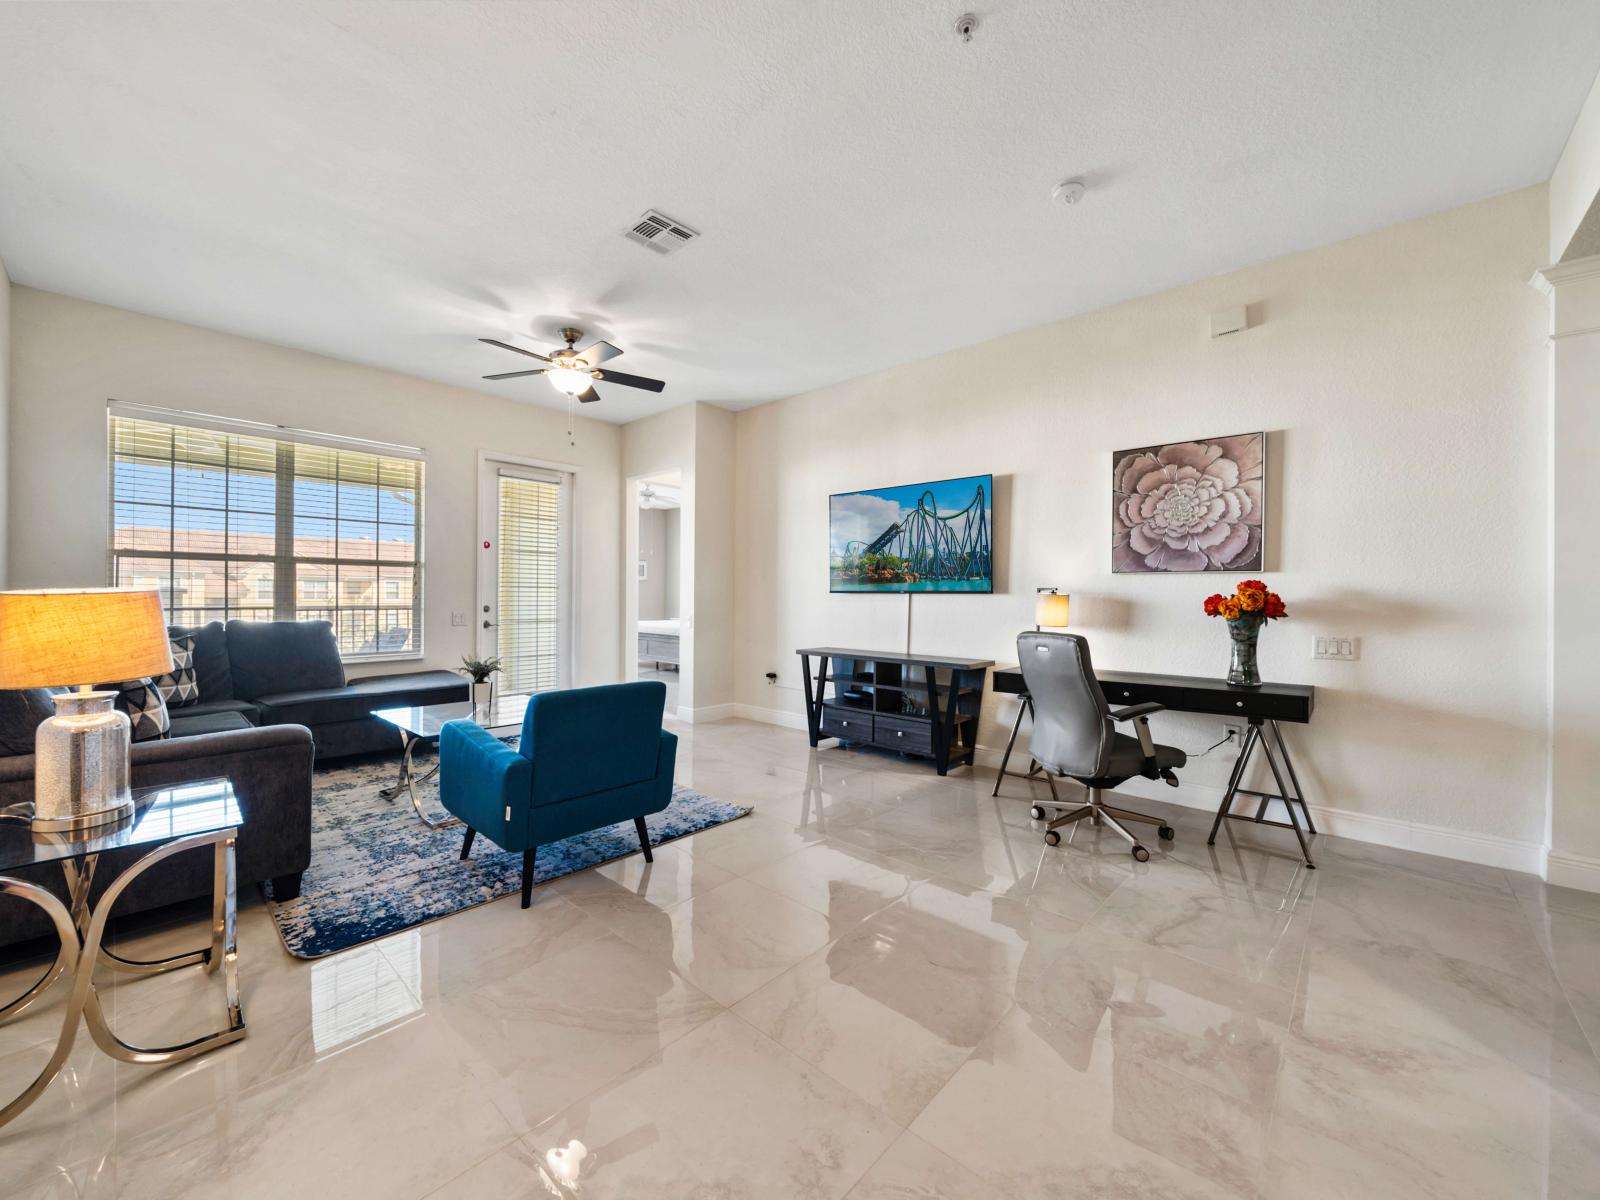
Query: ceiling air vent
[[660, 232]]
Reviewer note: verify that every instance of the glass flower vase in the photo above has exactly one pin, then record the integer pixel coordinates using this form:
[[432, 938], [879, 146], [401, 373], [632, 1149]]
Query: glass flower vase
[[1245, 633]]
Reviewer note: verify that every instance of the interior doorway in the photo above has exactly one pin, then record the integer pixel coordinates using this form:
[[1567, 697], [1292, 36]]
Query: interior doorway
[[660, 640]]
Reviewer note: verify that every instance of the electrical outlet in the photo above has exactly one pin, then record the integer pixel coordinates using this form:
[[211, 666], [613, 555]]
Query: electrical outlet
[[458, 619], [1340, 649], [1234, 730]]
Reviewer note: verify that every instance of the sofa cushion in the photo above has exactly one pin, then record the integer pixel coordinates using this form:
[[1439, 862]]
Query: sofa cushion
[[21, 713], [358, 698], [247, 710], [180, 687], [189, 723], [144, 705], [211, 669], [272, 657]]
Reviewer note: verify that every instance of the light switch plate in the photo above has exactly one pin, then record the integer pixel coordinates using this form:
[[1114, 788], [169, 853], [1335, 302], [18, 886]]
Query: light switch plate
[[1336, 649], [458, 619]]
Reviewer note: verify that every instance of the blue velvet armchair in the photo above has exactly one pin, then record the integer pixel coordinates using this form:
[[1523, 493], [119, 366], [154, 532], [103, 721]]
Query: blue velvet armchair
[[589, 757]]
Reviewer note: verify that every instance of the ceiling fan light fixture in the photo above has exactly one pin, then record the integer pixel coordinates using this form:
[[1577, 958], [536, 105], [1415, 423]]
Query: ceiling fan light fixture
[[570, 380]]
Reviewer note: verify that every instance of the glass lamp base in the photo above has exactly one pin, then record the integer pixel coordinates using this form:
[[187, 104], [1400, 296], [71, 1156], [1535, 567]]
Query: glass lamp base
[[81, 765]]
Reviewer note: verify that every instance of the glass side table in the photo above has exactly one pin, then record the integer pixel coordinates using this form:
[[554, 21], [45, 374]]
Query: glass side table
[[422, 726], [166, 821]]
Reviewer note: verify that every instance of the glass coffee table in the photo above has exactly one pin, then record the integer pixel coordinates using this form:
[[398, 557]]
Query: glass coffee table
[[166, 821], [421, 726]]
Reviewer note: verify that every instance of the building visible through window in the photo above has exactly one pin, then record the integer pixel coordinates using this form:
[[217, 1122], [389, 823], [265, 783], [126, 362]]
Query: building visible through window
[[228, 524]]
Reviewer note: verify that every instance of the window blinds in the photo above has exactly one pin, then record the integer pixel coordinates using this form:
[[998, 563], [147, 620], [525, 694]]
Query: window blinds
[[227, 523]]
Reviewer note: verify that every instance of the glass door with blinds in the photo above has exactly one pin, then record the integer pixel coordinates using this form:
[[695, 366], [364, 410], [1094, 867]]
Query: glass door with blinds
[[525, 584]]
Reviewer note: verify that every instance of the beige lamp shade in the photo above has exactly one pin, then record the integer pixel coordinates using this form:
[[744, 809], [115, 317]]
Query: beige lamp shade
[[67, 639], [1050, 610]]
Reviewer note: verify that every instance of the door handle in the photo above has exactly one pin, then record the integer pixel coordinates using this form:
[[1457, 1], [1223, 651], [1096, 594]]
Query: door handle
[[489, 625]]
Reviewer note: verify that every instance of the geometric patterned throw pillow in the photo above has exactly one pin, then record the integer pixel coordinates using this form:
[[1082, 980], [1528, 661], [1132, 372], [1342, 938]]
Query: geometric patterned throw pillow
[[141, 700], [179, 686]]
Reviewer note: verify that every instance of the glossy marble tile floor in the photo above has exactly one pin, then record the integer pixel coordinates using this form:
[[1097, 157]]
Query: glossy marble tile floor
[[880, 985]]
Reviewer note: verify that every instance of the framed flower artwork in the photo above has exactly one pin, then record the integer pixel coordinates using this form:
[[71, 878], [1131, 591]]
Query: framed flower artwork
[[1189, 506]]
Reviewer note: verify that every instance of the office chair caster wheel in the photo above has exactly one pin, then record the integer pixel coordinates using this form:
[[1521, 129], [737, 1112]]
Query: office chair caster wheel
[[1167, 833], [1036, 813], [1141, 854], [1053, 838]]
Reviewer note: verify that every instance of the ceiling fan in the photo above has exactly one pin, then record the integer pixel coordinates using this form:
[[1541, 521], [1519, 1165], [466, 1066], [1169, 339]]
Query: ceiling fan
[[575, 372]]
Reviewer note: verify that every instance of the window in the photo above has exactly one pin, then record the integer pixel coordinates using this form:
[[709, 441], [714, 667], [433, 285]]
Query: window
[[232, 520]]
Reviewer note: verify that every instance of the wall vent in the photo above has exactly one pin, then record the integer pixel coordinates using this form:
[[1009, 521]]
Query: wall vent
[[660, 232]]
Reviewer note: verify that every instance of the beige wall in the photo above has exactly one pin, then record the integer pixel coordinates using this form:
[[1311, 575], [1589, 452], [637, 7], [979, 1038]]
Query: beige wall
[[70, 357], [1402, 376]]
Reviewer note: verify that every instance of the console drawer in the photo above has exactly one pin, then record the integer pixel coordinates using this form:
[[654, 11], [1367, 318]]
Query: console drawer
[[850, 724], [909, 734]]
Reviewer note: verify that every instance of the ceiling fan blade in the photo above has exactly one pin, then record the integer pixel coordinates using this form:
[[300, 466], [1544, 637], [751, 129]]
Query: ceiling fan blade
[[513, 349], [638, 381], [517, 374], [598, 353], [588, 397]]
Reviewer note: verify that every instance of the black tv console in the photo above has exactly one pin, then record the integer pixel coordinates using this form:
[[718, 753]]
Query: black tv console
[[915, 704]]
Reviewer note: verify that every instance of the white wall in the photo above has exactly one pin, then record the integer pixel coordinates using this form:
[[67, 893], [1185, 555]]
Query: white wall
[[697, 442], [1402, 376], [653, 549], [70, 356], [660, 445], [1576, 179], [714, 576], [5, 411], [671, 579]]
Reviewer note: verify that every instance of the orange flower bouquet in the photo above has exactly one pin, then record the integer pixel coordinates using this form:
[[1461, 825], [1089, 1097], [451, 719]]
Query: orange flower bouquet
[[1249, 608]]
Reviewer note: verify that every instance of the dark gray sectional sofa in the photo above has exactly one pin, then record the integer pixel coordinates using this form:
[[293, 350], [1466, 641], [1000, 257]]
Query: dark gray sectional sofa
[[273, 699], [289, 673]]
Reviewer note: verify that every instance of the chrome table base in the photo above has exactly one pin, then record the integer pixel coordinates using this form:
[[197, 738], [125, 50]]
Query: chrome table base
[[81, 930], [408, 783]]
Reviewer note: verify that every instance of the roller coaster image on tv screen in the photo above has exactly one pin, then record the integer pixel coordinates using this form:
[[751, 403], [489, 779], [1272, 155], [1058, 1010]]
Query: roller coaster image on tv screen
[[924, 537]]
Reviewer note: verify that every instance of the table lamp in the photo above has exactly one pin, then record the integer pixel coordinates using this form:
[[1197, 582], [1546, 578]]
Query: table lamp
[[1050, 609], [77, 638]]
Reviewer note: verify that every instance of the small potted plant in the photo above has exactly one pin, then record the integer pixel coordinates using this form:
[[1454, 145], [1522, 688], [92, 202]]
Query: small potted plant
[[1249, 608], [480, 670]]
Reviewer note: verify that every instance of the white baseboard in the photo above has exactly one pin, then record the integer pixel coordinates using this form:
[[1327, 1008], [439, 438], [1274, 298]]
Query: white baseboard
[[1572, 871], [1506, 853], [705, 715], [771, 716]]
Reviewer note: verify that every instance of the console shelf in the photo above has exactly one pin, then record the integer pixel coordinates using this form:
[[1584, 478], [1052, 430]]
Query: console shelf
[[919, 705]]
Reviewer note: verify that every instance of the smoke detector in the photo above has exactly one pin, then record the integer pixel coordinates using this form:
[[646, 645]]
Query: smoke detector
[[1068, 191], [660, 232]]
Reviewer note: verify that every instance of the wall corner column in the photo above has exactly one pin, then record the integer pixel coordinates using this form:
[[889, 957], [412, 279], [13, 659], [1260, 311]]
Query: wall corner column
[[1572, 853]]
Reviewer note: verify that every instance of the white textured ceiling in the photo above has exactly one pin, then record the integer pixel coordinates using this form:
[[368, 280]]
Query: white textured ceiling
[[386, 182]]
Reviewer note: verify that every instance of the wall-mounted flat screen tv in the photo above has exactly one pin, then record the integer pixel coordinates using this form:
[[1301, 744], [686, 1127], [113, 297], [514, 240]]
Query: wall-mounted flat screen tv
[[922, 537]]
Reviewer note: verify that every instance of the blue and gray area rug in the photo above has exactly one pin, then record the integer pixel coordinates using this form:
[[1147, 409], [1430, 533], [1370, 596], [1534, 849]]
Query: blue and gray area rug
[[376, 869]]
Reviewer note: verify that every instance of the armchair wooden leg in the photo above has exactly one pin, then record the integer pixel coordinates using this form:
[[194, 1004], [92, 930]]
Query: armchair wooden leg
[[466, 843], [644, 839], [527, 876]]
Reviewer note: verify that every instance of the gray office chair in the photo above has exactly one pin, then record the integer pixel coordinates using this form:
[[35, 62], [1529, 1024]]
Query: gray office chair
[[1074, 736]]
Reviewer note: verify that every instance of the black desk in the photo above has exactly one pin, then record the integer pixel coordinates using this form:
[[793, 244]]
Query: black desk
[[1262, 707]]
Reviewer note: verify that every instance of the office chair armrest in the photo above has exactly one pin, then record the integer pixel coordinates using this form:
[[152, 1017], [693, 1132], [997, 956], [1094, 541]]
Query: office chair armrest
[[1139, 714], [1134, 711]]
